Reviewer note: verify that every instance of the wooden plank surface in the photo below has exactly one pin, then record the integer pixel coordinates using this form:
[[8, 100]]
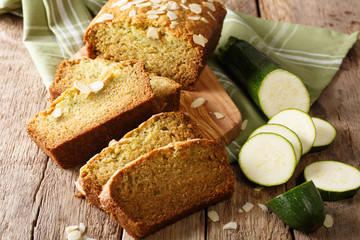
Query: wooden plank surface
[[36, 197]]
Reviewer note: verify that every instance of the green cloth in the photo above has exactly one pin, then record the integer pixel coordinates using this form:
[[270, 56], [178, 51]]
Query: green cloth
[[53, 31]]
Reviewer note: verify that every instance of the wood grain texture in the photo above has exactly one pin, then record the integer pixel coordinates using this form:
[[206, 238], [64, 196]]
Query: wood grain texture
[[222, 130], [36, 197]]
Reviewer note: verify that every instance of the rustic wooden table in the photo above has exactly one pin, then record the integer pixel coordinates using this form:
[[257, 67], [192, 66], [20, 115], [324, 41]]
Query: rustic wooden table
[[36, 196]]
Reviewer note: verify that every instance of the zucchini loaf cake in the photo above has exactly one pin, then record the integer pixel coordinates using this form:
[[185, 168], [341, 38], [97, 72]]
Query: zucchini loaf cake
[[87, 70], [173, 38], [167, 184], [158, 131], [82, 121]]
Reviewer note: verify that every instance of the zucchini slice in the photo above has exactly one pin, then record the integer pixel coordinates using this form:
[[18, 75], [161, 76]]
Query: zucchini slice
[[270, 86], [286, 133], [267, 159], [325, 134], [301, 207], [334, 180], [301, 123]]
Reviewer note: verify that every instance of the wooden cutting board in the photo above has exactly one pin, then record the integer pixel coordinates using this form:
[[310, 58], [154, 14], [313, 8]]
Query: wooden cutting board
[[222, 130]]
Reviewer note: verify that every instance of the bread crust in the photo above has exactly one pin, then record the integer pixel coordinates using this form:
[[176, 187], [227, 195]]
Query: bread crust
[[135, 225]]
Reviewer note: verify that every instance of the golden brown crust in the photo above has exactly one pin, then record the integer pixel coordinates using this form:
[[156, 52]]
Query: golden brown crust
[[139, 226], [78, 148], [92, 189], [185, 29]]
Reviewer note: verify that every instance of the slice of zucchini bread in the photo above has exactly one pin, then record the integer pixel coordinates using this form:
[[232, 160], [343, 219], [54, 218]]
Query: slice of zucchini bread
[[82, 121], [173, 38], [87, 70], [168, 184], [158, 131]]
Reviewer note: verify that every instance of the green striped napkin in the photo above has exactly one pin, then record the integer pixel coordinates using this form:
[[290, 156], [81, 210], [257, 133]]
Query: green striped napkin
[[53, 31]]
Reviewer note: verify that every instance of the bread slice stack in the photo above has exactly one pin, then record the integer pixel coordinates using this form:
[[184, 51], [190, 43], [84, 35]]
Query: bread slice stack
[[166, 185], [158, 131], [162, 170], [157, 174], [82, 120]]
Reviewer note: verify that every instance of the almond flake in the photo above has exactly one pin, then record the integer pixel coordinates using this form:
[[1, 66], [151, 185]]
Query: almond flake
[[230, 226], [152, 33], [120, 3], [209, 5], [212, 16], [244, 124], [74, 235], [138, 1], [82, 87], [204, 20], [263, 207], [329, 221], [162, 8], [172, 5], [126, 7], [173, 24], [154, 5], [195, 8], [96, 86], [240, 210], [155, 12], [112, 143], [258, 189], [153, 16], [82, 227], [156, 1], [197, 102], [214, 216], [132, 13], [69, 229], [185, 7], [219, 115], [172, 15], [140, 5], [56, 113], [194, 18], [80, 189], [247, 207], [200, 40], [105, 17]]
